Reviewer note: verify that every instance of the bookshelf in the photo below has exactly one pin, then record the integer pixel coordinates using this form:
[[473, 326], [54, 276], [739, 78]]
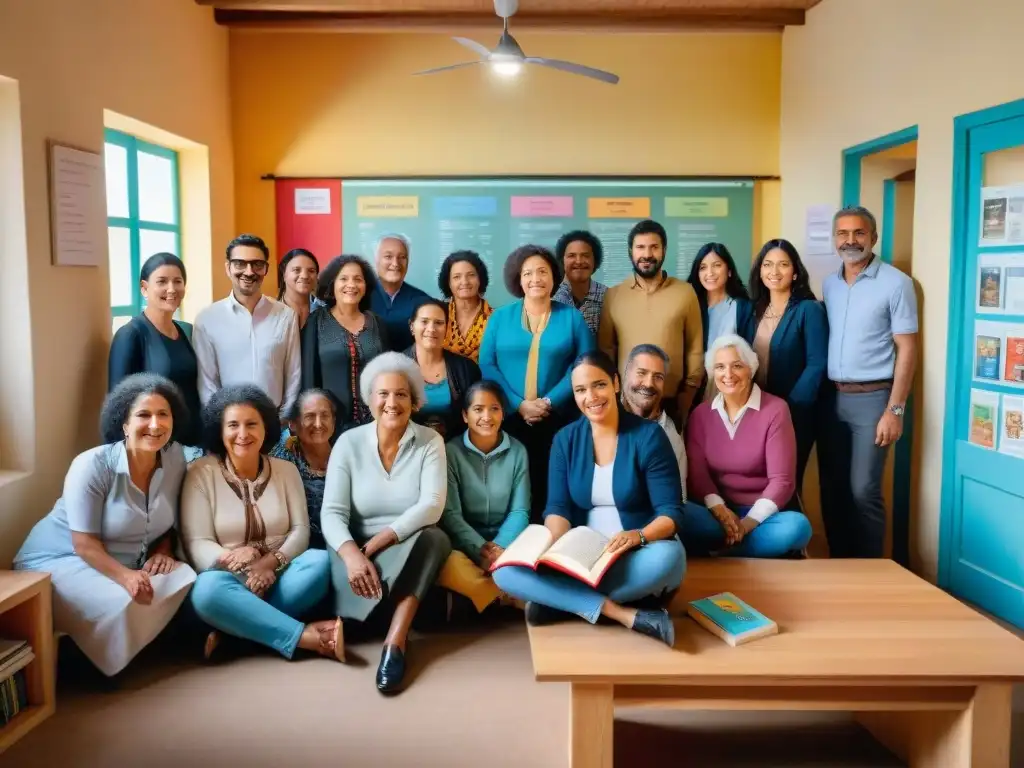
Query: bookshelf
[[26, 613]]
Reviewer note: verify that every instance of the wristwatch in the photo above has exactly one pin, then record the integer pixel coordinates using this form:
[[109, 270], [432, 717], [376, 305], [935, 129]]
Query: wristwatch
[[897, 410], [643, 539]]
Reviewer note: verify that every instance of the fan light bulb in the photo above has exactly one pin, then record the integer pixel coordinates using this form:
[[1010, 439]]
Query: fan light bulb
[[508, 68]]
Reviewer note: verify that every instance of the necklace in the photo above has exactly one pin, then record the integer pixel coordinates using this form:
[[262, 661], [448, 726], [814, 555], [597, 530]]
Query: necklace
[[770, 313]]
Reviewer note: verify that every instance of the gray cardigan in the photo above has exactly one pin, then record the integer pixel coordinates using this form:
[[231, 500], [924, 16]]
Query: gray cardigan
[[361, 499]]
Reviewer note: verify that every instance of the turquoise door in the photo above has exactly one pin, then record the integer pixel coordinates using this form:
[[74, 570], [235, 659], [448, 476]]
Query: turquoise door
[[982, 546]]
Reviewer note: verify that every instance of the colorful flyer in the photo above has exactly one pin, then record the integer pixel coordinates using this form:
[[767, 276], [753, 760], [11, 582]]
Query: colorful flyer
[[1013, 373], [983, 413], [1000, 286], [1011, 426], [986, 357], [1002, 215]]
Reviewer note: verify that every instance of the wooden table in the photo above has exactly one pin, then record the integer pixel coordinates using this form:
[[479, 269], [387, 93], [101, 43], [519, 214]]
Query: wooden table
[[26, 614], [928, 676]]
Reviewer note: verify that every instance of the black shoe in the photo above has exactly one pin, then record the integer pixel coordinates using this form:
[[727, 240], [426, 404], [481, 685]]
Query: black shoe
[[656, 624], [537, 615], [391, 671]]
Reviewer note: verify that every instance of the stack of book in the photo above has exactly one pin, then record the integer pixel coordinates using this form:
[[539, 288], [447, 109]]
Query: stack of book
[[15, 655]]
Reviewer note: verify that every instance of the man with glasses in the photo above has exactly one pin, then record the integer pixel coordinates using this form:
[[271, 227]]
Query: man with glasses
[[394, 300], [248, 338]]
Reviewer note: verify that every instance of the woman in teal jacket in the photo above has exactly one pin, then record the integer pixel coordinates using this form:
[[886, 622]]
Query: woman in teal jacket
[[614, 473], [488, 503]]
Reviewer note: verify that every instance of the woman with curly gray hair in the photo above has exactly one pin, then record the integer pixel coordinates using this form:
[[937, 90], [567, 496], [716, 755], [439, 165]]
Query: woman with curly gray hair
[[387, 482], [107, 541]]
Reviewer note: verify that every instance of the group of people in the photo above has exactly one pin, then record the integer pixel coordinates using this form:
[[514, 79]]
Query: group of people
[[290, 465]]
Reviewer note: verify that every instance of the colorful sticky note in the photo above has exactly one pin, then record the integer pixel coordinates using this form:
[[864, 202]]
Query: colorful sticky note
[[388, 207], [697, 207], [619, 207]]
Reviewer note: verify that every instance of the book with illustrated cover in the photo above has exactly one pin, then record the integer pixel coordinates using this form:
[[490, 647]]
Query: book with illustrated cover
[[989, 293], [987, 359], [580, 553], [733, 620]]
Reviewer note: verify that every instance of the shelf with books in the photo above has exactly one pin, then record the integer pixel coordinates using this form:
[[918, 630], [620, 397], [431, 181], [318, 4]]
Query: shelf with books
[[26, 615]]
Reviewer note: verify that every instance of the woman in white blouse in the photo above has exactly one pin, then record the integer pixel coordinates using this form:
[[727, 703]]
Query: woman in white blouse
[[246, 530], [387, 482]]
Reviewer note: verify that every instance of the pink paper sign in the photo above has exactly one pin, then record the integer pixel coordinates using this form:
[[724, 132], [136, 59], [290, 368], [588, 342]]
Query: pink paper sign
[[528, 206]]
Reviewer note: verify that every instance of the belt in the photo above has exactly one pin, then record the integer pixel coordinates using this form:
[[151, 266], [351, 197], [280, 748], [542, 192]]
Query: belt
[[863, 386]]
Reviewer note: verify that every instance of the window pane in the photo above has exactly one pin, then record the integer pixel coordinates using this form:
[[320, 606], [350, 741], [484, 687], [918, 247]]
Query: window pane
[[155, 241], [156, 189], [116, 160], [119, 321], [122, 288]]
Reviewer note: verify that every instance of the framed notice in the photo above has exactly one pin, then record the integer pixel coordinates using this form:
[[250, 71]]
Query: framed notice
[[78, 216]]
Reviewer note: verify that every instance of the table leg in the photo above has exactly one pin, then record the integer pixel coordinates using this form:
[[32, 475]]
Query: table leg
[[975, 737], [591, 723]]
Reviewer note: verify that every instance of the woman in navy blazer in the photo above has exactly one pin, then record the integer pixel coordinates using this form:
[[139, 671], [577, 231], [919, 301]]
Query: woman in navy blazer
[[789, 332], [615, 473]]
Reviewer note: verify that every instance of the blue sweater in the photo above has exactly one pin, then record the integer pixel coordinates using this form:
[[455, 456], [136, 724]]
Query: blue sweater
[[645, 476], [397, 314], [798, 355], [506, 347]]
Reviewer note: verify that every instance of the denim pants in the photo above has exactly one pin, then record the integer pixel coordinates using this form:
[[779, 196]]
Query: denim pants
[[222, 600], [640, 573], [783, 532]]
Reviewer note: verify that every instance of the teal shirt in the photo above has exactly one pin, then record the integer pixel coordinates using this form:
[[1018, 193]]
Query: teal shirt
[[439, 399], [488, 494]]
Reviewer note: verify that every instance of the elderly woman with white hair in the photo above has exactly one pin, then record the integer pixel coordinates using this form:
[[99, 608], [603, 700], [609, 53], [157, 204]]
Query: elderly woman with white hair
[[386, 486], [742, 464]]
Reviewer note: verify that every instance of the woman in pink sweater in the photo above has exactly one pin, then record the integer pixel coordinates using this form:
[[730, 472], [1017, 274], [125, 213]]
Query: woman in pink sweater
[[742, 453]]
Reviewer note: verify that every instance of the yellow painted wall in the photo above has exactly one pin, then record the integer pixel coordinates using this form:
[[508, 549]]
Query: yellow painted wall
[[857, 70], [161, 62], [348, 105]]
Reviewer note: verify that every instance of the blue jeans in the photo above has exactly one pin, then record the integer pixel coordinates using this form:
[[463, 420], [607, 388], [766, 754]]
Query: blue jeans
[[783, 532], [642, 572], [222, 600]]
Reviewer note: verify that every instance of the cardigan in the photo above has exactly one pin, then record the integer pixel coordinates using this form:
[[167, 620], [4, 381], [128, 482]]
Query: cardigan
[[213, 516], [361, 499], [798, 354], [462, 374], [506, 347], [488, 494], [751, 462], [645, 476]]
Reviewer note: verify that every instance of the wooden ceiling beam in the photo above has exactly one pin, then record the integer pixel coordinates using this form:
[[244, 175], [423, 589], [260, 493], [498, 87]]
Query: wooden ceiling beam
[[449, 23]]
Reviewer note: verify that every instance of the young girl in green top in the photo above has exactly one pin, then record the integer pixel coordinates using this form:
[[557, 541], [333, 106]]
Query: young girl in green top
[[488, 503]]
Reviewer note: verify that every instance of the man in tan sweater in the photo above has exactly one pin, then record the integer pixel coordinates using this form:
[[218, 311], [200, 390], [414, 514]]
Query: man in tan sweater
[[651, 307]]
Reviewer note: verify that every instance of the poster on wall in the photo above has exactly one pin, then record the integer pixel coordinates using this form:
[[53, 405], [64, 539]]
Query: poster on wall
[[999, 353], [1000, 289], [1011, 426], [1002, 215], [983, 413]]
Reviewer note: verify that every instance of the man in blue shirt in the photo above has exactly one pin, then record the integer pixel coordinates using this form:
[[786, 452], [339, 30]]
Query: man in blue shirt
[[872, 351], [393, 299]]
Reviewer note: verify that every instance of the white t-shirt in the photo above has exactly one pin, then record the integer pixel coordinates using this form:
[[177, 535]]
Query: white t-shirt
[[603, 517]]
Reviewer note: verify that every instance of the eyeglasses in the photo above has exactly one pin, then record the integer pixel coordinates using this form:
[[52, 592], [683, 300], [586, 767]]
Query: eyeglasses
[[259, 266]]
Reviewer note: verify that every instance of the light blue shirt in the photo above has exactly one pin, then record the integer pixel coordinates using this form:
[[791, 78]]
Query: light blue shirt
[[721, 319], [864, 317]]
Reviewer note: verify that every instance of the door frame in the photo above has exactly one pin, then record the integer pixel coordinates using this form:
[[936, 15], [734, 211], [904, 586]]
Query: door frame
[[962, 125], [853, 158]]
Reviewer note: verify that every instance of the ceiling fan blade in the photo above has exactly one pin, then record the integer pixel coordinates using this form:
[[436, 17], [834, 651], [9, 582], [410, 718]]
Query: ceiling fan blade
[[473, 45], [575, 69], [450, 66]]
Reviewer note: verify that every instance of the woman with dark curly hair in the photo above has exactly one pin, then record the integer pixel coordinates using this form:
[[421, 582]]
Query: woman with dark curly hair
[[343, 336], [107, 541], [297, 275], [528, 349], [246, 530], [580, 254], [463, 281]]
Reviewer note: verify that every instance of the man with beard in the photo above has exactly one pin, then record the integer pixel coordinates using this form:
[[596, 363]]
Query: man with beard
[[651, 307], [872, 317], [580, 253], [393, 300], [248, 338], [642, 389]]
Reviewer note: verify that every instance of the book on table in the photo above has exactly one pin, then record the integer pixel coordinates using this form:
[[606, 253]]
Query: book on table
[[579, 553], [731, 619]]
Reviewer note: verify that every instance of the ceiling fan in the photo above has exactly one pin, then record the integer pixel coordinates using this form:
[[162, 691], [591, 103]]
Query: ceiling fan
[[507, 58]]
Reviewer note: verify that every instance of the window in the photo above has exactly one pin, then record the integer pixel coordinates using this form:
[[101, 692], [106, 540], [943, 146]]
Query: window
[[143, 214]]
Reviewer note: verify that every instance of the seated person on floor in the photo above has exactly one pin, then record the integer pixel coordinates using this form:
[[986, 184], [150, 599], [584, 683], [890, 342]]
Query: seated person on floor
[[488, 502], [307, 445], [742, 461], [107, 542], [385, 491], [245, 528], [616, 474]]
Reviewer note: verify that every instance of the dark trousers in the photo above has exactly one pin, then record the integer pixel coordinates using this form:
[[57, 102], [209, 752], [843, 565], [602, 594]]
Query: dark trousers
[[851, 468], [805, 426], [537, 439]]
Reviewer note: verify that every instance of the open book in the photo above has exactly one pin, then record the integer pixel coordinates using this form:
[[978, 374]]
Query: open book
[[579, 553]]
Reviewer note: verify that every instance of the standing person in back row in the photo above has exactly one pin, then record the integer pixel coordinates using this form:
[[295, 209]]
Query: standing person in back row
[[651, 307], [248, 338], [579, 254], [393, 300], [872, 349]]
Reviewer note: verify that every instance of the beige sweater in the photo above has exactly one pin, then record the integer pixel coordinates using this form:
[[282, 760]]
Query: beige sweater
[[213, 517]]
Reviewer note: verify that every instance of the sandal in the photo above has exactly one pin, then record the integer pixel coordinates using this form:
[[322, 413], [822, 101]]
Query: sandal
[[210, 646], [332, 639]]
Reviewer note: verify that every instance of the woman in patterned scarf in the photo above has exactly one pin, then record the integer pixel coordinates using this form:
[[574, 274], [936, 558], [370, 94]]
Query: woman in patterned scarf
[[245, 530], [463, 282]]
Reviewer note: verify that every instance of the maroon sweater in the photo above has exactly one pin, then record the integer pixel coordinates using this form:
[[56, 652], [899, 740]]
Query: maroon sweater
[[755, 467]]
